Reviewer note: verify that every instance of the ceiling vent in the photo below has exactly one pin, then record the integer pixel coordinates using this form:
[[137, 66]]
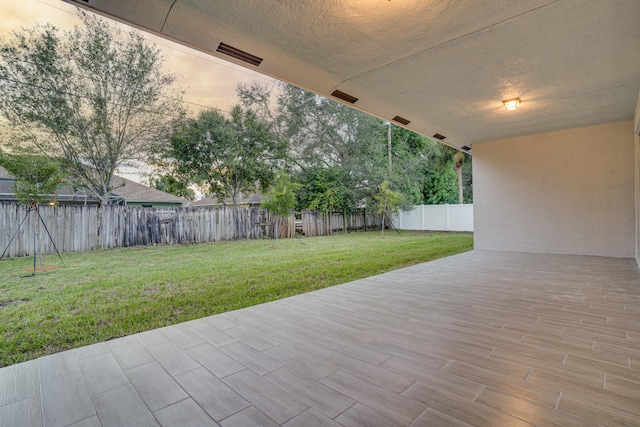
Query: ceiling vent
[[401, 120], [440, 137], [239, 54], [344, 96], [466, 148]]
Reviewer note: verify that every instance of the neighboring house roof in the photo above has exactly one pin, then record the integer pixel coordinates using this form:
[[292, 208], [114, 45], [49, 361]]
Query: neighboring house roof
[[134, 192], [64, 193], [248, 199], [129, 190]]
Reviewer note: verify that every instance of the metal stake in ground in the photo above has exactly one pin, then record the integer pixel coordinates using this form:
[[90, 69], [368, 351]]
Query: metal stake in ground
[[36, 216]]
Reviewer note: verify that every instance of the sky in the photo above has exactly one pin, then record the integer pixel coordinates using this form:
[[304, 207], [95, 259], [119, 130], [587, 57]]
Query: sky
[[207, 81]]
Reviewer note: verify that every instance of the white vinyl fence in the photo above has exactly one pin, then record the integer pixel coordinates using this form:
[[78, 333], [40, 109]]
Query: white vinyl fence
[[436, 218]]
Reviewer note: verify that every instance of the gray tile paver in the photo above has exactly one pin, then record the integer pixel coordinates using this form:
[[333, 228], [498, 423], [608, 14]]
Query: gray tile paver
[[311, 418], [250, 417], [172, 358], [102, 373], [184, 413], [157, 388], [91, 350], [65, 401], [88, 422], [19, 382], [214, 396], [123, 407], [211, 334], [217, 362], [325, 399], [57, 365], [274, 402], [181, 336], [129, 352], [253, 359], [27, 413]]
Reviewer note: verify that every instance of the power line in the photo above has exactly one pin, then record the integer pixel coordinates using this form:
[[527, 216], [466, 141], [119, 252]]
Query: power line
[[61, 92], [72, 94]]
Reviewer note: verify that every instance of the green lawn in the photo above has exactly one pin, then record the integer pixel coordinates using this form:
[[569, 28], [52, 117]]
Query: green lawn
[[101, 295]]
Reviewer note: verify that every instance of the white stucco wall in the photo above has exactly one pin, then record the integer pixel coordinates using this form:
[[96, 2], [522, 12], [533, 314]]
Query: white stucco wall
[[570, 192], [636, 145]]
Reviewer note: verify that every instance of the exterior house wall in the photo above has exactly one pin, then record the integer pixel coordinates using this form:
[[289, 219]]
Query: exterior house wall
[[569, 192], [636, 146]]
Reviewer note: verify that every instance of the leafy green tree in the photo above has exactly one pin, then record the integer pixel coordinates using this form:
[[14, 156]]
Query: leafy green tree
[[328, 140], [37, 177], [172, 185], [439, 186], [324, 190], [467, 180], [91, 97], [388, 202], [226, 157], [280, 199], [444, 157], [324, 134]]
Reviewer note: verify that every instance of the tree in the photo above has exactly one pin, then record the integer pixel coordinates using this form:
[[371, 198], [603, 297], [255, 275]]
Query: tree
[[387, 202], [91, 97], [226, 157], [325, 135], [328, 139], [280, 199], [444, 158], [458, 160], [37, 177], [172, 185]]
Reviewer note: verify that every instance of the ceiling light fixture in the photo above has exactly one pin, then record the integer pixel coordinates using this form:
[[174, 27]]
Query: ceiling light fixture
[[512, 104]]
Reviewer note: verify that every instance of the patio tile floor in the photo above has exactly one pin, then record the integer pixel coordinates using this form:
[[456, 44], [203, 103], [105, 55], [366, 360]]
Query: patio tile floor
[[481, 338]]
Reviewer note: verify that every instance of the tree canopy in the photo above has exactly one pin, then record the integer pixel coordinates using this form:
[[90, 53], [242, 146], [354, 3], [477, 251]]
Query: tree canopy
[[339, 154], [37, 177], [91, 97], [226, 156]]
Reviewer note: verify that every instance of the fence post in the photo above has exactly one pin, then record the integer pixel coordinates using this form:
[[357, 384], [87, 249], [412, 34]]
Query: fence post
[[446, 211]]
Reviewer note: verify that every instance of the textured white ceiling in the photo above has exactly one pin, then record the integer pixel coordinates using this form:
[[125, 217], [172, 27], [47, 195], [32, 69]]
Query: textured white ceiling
[[445, 65]]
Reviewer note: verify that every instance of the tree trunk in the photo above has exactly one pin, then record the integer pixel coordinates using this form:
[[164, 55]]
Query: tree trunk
[[99, 227], [364, 212], [344, 216]]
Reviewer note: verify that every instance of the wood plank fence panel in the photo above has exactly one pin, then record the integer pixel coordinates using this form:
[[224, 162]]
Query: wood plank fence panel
[[75, 228], [72, 229]]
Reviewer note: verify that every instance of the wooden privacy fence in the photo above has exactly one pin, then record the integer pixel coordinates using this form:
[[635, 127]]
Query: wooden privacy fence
[[74, 228]]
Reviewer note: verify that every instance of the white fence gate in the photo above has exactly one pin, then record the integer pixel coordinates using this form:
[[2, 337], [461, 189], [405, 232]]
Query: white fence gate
[[436, 218]]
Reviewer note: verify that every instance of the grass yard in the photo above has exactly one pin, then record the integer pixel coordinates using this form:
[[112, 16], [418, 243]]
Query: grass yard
[[101, 295]]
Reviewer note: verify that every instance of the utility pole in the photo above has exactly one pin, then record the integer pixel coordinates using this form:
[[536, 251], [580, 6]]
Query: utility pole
[[389, 145]]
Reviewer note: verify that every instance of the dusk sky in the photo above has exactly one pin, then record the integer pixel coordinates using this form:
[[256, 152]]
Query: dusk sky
[[207, 80]]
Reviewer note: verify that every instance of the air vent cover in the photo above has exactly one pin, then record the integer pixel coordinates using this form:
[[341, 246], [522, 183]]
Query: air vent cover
[[401, 120], [438, 136], [344, 96], [466, 147], [239, 54]]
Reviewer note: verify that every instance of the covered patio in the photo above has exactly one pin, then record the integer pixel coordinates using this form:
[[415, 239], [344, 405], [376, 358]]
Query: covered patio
[[538, 326], [482, 338]]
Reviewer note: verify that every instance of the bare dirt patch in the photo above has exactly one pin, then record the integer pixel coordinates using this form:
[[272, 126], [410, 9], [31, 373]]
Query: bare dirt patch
[[43, 268]]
